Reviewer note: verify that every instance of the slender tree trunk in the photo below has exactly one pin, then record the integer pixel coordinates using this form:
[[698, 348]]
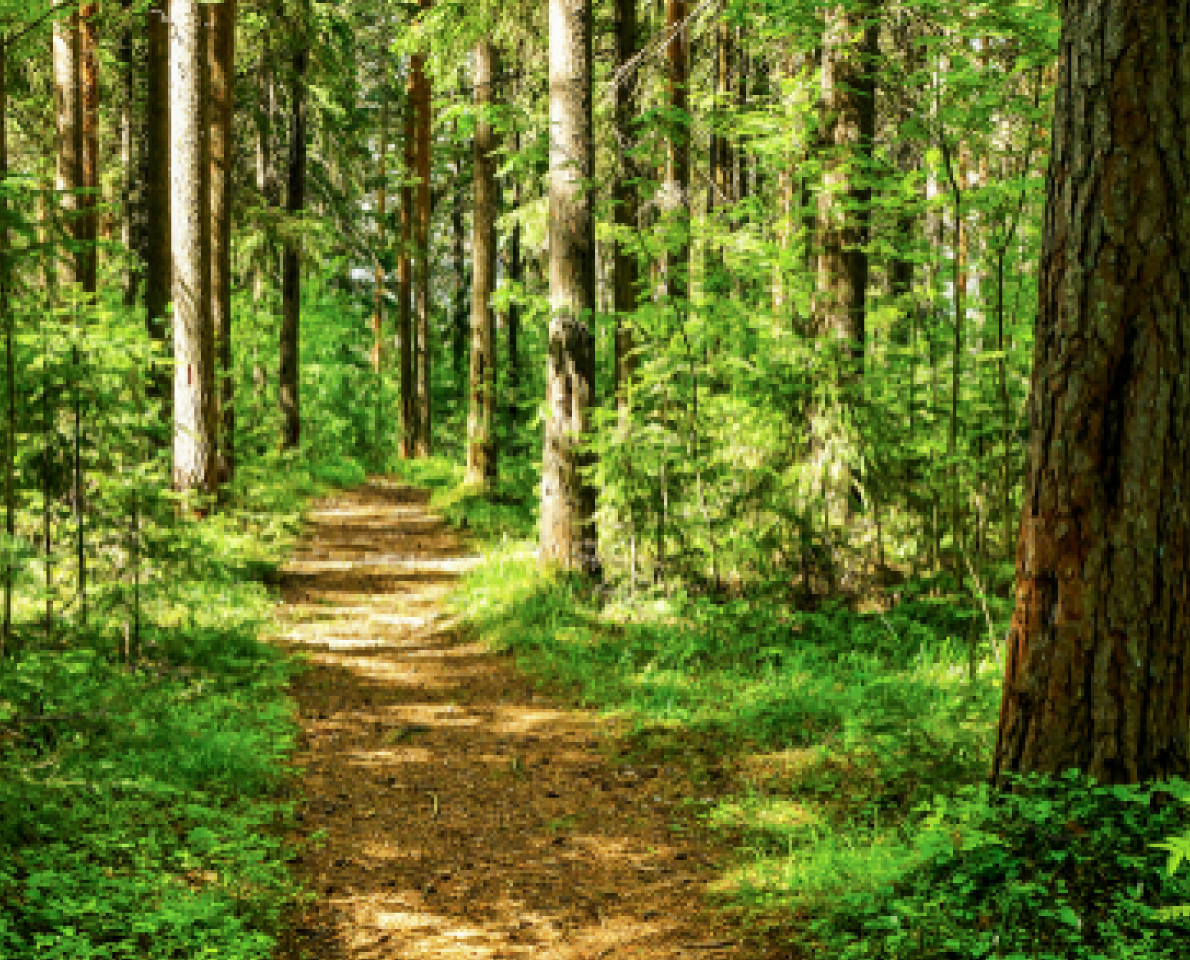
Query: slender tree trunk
[[68, 137], [516, 276], [89, 129], [568, 537], [677, 166], [156, 166], [266, 173], [381, 215], [421, 274], [291, 266], [194, 398], [222, 148], [481, 422], [626, 208], [1098, 669], [7, 643], [409, 429], [459, 308], [132, 200]]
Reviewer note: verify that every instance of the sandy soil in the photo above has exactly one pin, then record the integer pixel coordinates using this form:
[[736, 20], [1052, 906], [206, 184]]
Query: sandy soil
[[466, 815]]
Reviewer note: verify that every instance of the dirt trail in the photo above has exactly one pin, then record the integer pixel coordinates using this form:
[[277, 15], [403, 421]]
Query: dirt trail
[[466, 815]]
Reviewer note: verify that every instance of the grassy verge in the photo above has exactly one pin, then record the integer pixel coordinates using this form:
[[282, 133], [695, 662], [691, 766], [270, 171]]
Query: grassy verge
[[857, 745], [141, 798]]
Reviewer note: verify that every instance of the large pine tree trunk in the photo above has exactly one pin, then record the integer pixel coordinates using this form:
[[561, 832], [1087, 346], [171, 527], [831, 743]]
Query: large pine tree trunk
[[849, 107], [155, 163], [222, 60], [626, 206], [1098, 672], [291, 264], [421, 272], [194, 400], [481, 420], [68, 135], [567, 498]]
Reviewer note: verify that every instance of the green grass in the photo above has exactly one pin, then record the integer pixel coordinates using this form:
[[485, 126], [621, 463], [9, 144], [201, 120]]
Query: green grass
[[142, 818], [858, 744]]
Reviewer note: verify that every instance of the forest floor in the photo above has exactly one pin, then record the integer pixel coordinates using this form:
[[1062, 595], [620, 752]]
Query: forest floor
[[452, 809]]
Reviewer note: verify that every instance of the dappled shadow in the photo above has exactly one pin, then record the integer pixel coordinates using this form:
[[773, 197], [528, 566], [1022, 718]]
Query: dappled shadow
[[465, 814]]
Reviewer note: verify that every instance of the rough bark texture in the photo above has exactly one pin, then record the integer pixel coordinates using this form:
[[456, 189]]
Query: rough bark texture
[[481, 419], [404, 281], [1098, 672], [68, 136], [291, 263], [89, 146], [849, 103], [194, 401], [567, 499], [155, 159], [460, 317], [222, 60], [626, 203], [421, 271]]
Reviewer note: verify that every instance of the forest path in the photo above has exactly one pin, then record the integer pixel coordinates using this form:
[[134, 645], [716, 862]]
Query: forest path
[[466, 815]]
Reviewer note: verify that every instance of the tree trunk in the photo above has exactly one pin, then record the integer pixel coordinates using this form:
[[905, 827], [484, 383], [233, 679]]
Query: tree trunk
[[222, 60], [849, 106], [155, 161], [405, 278], [194, 401], [378, 279], [459, 308], [421, 271], [10, 391], [626, 209], [481, 422], [68, 138], [568, 535], [291, 264], [676, 194], [132, 200], [516, 276], [1098, 668], [89, 131]]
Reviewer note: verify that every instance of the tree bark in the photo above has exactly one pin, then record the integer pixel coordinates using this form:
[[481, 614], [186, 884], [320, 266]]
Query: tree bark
[[459, 307], [626, 210], [421, 263], [568, 537], [155, 161], [481, 422], [676, 195], [194, 399], [222, 149], [89, 157], [379, 275], [291, 264], [409, 429], [68, 138], [1098, 668]]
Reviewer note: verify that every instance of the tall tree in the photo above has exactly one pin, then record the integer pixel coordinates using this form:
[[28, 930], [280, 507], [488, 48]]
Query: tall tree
[[421, 262], [567, 497], [849, 108], [481, 420], [88, 76], [1098, 668], [222, 64], [194, 381], [291, 262], [155, 161], [68, 134], [676, 195], [625, 201], [405, 327], [379, 273]]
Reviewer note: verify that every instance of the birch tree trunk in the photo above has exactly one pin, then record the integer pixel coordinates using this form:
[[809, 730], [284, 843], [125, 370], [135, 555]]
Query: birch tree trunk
[[567, 498], [194, 399], [1098, 668], [481, 421]]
